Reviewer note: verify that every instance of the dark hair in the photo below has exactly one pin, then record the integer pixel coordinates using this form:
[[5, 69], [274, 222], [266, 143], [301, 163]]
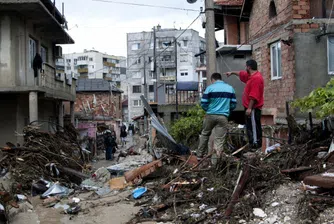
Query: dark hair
[[216, 76], [252, 64]]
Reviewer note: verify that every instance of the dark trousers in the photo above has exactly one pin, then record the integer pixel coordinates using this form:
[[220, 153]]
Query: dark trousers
[[254, 128], [109, 153]]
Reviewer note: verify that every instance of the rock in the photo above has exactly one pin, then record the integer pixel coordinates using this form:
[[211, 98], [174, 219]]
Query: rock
[[287, 218], [274, 204], [259, 213], [271, 220]]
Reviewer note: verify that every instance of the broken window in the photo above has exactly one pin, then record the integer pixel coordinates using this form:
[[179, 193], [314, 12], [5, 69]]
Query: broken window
[[135, 46], [276, 57], [272, 9], [32, 51], [331, 55], [136, 89], [137, 103]]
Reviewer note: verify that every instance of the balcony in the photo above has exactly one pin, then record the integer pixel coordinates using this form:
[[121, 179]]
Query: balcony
[[109, 64], [167, 79], [54, 85], [82, 70], [167, 64]]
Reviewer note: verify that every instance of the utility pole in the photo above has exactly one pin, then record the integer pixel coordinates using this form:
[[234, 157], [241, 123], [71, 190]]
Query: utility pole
[[155, 67], [176, 92], [210, 40], [145, 95]]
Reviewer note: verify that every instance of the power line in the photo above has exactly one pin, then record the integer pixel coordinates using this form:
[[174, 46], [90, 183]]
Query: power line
[[146, 5]]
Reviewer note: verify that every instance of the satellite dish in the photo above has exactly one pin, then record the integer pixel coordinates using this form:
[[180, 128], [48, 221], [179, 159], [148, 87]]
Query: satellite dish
[[191, 1]]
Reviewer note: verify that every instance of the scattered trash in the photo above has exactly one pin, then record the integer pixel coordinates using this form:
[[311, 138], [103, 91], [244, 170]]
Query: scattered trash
[[196, 216], [202, 207], [273, 148], [50, 202], [274, 204], [143, 171], [73, 210], [103, 191], [138, 192], [118, 183], [200, 195], [63, 206], [210, 210], [211, 189], [76, 200], [175, 171], [21, 197], [56, 189], [259, 213], [322, 155]]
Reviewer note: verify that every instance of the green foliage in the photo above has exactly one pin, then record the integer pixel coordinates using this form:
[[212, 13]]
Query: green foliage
[[320, 100], [189, 126]]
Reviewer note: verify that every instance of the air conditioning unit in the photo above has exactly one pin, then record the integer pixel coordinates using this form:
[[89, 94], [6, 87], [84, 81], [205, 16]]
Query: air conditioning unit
[[58, 52]]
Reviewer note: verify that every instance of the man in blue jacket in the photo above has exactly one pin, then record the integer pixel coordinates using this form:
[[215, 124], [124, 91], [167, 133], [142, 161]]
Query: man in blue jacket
[[218, 101]]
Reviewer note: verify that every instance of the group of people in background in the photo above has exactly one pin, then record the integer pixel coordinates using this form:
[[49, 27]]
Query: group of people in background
[[110, 140]]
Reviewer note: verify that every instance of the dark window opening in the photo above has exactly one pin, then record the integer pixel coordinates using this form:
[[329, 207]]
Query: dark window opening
[[239, 56], [272, 10], [151, 88], [136, 89]]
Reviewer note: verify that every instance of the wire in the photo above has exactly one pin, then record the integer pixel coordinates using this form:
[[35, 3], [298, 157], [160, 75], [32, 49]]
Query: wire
[[146, 5]]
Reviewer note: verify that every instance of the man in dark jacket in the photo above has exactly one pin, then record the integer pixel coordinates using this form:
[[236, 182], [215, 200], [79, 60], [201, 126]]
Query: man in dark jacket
[[110, 144]]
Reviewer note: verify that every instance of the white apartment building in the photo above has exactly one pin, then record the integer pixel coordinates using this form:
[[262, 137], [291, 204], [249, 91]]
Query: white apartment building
[[140, 50], [93, 64]]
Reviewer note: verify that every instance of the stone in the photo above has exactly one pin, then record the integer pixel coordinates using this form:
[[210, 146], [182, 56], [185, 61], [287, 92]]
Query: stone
[[259, 213], [274, 204], [287, 218]]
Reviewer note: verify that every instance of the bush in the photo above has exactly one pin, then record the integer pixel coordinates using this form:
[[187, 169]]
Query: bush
[[189, 126], [320, 100]]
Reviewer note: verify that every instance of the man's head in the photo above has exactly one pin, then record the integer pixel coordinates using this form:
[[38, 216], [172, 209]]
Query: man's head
[[215, 77], [251, 65]]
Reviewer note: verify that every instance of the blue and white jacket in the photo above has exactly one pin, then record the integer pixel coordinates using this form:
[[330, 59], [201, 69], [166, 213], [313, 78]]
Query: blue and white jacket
[[219, 99]]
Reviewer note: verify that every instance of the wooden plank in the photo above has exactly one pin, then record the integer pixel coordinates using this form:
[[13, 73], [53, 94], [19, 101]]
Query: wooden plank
[[299, 169]]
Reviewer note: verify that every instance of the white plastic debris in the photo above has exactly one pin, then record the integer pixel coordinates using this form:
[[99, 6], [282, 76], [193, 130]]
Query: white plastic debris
[[242, 221], [259, 213], [211, 189], [274, 204], [200, 195], [76, 200], [210, 210], [196, 216], [272, 148], [63, 206], [56, 189], [241, 126], [202, 207], [327, 174], [175, 171], [2, 208]]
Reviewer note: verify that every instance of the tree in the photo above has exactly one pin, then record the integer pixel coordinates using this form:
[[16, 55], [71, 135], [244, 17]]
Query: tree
[[320, 100]]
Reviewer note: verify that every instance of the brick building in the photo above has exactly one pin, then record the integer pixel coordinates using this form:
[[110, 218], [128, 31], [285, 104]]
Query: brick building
[[290, 39], [97, 101]]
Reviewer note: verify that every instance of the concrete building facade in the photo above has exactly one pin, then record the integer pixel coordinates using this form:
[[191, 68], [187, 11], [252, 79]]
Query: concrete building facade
[[291, 40], [32, 93], [93, 64], [140, 55]]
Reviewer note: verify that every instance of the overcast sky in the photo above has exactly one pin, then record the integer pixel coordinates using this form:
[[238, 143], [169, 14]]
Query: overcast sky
[[103, 26]]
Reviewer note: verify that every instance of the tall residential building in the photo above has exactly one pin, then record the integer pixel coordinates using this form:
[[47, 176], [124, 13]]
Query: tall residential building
[[169, 62], [93, 64]]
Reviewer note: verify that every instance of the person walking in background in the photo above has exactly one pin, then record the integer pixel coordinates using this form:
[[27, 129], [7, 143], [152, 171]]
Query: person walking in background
[[218, 101], [252, 100], [124, 134], [110, 144]]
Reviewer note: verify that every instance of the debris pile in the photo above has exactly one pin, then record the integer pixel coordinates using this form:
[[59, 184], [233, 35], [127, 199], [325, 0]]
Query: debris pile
[[55, 157]]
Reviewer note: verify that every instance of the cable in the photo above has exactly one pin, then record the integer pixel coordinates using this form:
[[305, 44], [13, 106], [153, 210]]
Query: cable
[[146, 5]]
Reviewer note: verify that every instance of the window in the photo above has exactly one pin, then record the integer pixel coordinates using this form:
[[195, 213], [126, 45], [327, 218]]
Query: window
[[150, 59], [92, 66], [90, 59], [137, 103], [183, 58], [272, 9], [68, 68], [185, 43], [275, 54], [184, 74], [151, 88], [331, 55], [75, 61], [32, 51], [136, 61], [44, 54], [135, 47], [68, 60], [136, 89]]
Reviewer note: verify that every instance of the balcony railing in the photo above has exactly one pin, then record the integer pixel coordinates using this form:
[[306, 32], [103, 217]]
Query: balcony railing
[[82, 70], [56, 82], [109, 64]]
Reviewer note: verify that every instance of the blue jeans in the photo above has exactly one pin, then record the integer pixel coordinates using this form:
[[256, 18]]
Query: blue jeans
[[109, 153]]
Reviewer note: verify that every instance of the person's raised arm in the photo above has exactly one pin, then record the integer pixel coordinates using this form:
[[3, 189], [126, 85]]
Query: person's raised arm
[[228, 74]]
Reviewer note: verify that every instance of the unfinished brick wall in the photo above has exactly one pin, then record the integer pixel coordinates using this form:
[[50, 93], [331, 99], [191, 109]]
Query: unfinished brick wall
[[301, 9], [111, 105]]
